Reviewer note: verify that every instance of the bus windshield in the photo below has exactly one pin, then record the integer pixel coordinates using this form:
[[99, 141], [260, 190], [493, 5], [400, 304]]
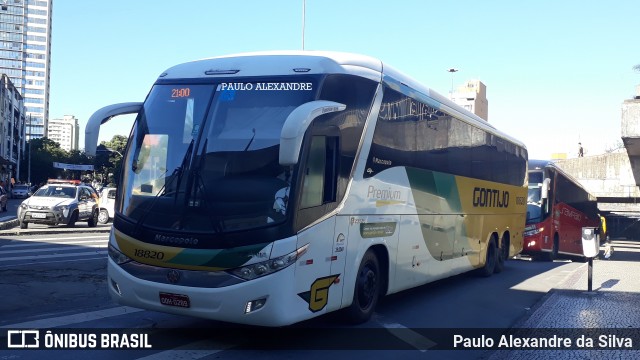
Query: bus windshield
[[534, 203], [204, 157]]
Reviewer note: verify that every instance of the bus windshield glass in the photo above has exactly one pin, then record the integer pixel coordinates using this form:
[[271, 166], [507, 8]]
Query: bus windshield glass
[[534, 204], [204, 157]]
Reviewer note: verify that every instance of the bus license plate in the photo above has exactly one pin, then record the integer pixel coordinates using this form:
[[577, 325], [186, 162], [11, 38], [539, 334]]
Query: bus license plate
[[178, 300]]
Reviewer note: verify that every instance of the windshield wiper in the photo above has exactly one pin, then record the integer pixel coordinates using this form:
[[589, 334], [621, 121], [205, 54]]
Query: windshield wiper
[[250, 141], [199, 188]]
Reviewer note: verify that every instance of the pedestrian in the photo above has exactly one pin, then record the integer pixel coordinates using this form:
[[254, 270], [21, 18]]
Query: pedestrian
[[580, 150]]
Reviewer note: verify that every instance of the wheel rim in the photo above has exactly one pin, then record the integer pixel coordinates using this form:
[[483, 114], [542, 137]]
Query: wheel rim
[[103, 217], [367, 286]]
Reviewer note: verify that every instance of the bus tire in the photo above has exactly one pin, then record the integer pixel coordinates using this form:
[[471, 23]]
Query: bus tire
[[366, 291], [490, 260], [553, 254], [503, 255]]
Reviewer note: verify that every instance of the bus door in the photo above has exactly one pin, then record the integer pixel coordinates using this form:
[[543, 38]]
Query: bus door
[[320, 271]]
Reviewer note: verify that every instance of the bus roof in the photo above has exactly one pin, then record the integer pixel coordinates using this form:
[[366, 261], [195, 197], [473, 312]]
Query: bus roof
[[322, 62], [541, 164]]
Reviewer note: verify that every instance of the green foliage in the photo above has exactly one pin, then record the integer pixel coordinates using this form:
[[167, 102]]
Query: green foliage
[[44, 152]]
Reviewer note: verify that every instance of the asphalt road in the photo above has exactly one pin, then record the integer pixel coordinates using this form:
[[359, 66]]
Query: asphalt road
[[59, 281]]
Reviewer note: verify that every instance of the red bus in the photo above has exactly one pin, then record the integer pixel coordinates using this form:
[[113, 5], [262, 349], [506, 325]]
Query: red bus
[[557, 209]]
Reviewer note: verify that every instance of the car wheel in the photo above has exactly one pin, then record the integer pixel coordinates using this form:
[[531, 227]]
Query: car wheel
[[23, 224], [93, 220], [73, 219], [103, 217]]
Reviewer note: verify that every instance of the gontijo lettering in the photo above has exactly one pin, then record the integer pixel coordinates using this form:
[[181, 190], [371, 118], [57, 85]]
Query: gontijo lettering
[[485, 197]]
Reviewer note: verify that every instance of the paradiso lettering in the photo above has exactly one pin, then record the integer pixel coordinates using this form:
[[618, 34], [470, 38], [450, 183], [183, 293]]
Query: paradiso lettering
[[485, 197], [269, 86]]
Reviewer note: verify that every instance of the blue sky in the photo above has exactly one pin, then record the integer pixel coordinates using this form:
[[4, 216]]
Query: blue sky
[[556, 72]]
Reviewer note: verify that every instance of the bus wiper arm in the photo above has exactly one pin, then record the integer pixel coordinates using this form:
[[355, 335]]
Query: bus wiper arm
[[250, 141]]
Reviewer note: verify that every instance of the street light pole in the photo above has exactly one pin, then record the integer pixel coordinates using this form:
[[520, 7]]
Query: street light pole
[[452, 71], [29, 165], [304, 6]]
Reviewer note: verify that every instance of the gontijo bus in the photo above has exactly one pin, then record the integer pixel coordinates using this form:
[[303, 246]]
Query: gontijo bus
[[274, 187], [558, 207]]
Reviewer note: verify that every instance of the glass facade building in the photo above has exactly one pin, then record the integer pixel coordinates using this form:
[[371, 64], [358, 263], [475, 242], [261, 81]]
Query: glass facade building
[[25, 57]]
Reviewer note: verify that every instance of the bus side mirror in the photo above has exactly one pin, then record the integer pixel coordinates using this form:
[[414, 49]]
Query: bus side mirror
[[297, 124], [545, 188], [101, 116]]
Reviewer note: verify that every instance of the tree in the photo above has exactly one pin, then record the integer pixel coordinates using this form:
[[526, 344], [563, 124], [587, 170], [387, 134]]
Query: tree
[[44, 152], [109, 157]]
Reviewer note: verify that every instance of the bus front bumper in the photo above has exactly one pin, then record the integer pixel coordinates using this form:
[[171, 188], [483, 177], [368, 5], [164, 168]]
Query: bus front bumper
[[234, 303]]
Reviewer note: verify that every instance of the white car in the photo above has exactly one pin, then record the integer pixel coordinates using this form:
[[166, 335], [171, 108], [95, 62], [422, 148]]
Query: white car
[[55, 204], [107, 200]]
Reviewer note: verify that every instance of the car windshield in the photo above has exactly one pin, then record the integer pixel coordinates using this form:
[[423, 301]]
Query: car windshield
[[56, 191], [205, 157], [20, 187]]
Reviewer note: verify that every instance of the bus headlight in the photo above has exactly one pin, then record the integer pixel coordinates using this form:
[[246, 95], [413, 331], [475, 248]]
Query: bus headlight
[[254, 271], [117, 256], [534, 232]]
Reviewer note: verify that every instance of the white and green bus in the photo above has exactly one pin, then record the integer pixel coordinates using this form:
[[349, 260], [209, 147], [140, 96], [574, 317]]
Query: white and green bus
[[270, 188]]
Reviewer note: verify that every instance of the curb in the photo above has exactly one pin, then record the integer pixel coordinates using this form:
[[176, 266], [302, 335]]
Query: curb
[[11, 228], [9, 224], [52, 231]]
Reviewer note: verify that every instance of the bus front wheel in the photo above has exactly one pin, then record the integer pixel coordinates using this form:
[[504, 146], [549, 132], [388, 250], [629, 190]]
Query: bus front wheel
[[367, 289]]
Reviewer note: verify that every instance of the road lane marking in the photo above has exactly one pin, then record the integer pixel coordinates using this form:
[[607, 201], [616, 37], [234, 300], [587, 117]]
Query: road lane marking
[[61, 238], [6, 266], [73, 319], [33, 257], [409, 336], [85, 244], [192, 351]]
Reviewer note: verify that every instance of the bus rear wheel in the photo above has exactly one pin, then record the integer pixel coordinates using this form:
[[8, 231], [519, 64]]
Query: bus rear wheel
[[503, 255], [490, 260], [367, 289]]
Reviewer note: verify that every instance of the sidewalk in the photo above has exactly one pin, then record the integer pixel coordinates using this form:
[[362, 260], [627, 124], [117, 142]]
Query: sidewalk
[[613, 303]]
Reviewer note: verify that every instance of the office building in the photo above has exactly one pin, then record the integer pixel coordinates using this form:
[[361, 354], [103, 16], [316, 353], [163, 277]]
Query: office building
[[472, 96], [12, 125], [65, 132], [25, 56]]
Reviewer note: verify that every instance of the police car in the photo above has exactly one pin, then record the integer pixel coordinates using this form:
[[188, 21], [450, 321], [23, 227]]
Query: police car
[[60, 203]]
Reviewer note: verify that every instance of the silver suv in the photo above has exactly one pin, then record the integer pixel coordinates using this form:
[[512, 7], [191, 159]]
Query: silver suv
[[55, 204]]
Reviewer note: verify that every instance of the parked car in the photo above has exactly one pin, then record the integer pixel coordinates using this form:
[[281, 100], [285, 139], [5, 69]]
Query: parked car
[[107, 200], [4, 197], [55, 204], [20, 191]]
